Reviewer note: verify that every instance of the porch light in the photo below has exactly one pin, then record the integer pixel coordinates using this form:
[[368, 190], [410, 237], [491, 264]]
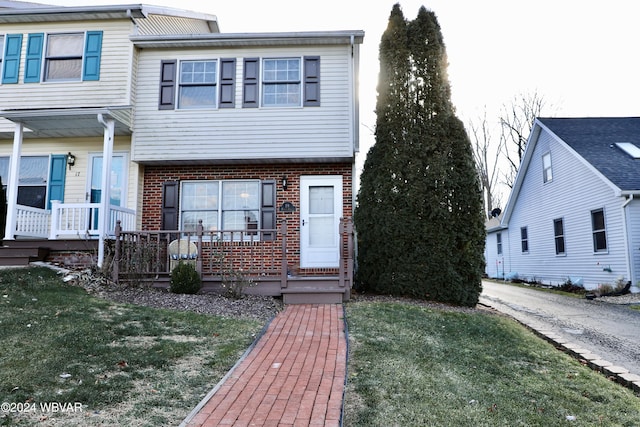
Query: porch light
[[284, 182], [71, 160]]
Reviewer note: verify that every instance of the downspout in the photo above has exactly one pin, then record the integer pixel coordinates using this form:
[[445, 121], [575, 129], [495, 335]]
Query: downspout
[[105, 195]]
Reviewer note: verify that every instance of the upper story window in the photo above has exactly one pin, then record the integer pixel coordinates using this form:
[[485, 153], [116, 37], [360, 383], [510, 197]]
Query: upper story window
[[599, 230], [558, 232], [63, 58], [68, 56], [547, 173], [499, 243], [198, 84], [281, 82]]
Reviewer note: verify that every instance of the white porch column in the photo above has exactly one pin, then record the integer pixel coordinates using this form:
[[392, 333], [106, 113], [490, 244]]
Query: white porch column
[[105, 195], [12, 184]]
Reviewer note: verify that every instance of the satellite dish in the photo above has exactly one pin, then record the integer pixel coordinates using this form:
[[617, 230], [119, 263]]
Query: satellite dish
[[496, 212]]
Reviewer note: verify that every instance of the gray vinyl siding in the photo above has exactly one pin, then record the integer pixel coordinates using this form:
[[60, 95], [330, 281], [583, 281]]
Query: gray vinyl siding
[[246, 133], [573, 193], [497, 265], [633, 231], [113, 87]]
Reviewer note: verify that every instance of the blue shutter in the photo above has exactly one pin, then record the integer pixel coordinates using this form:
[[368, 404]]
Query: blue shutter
[[33, 63], [12, 50], [57, 177], [92, 54]]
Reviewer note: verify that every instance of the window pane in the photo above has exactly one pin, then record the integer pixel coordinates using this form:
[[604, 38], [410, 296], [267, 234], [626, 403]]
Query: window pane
[[240, 220], [597, 218], [600, 241], [198, 72], [32, 196], [240, 195], [200, 196], [63, 69], [33, 170], [197, 96], [557, 227], [209, 220], [4, 170], [321, 200], [67, 45], [321, 232]]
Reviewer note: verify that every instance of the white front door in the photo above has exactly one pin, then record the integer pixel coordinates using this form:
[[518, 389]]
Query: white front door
[[320, 213]]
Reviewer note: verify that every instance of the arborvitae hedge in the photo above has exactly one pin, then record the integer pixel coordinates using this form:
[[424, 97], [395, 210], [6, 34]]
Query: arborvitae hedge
[[419, 214]]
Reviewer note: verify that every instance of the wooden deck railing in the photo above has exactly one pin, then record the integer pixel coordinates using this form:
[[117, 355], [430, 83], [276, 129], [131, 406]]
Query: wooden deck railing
[[257, 254]]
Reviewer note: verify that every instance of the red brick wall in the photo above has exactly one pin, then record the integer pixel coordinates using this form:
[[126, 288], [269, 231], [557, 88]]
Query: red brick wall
[[154, 176]]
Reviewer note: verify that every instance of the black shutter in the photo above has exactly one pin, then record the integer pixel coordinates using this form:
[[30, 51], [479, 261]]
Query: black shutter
[[170, 201], [167, 85], [227, 82], [311, 81], [250, 87], [268, 209]]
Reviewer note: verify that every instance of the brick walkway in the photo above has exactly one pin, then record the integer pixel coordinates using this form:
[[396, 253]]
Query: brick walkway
[[294, 376]]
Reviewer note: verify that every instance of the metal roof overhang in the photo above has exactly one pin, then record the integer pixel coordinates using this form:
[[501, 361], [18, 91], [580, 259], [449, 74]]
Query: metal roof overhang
[[249, 39], [65, 123]]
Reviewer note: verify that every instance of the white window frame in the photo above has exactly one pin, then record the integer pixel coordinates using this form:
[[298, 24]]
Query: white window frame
[[183, 84], [499, 243], [547, 168], [524, 240], [220, 208], [48, 58], [559, 236], [595, 231], [279, 82]]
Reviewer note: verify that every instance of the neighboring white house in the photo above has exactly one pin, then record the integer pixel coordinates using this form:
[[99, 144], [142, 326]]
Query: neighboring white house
[[574, 210]]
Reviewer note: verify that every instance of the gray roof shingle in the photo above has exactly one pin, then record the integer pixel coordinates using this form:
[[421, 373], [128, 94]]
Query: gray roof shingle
[[594, 139]]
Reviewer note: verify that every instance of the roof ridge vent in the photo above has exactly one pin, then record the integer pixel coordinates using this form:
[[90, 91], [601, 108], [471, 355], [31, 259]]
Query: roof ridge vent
[[630, 148]]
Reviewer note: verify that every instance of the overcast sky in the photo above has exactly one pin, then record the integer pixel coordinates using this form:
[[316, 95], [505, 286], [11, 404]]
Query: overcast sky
[[581, 56]]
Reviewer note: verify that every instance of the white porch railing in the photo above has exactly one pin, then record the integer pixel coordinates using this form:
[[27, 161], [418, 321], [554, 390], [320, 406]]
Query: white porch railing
[[32, 222], [70, 220]]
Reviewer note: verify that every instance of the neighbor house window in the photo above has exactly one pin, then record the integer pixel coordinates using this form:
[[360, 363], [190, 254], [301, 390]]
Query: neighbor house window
[[558, 232], [547, 174], [524, 239], [198, 85], [599, 231], [221, 205], [499, 243], [63, 60], [281, 82], [67, 56]]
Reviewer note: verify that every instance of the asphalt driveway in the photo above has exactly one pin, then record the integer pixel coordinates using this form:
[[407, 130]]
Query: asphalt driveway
[[609, 330]]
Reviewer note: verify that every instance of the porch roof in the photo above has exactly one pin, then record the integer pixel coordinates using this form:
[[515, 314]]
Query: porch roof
[[66, 123]]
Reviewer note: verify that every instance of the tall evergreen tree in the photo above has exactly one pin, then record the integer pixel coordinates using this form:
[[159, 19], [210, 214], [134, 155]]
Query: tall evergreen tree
[[419, 215]]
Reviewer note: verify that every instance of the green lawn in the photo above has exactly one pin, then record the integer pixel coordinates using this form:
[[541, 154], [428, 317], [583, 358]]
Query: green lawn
[[121, 364], [419, 366]]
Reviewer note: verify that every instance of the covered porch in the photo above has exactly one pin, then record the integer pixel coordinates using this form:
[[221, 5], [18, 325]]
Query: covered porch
[[60, 210]]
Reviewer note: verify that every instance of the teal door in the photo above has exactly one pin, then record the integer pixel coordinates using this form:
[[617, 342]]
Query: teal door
[[57, 175]]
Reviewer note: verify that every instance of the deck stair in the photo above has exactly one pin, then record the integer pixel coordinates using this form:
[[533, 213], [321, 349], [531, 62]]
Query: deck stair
[[22, 252], [314, 290]]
